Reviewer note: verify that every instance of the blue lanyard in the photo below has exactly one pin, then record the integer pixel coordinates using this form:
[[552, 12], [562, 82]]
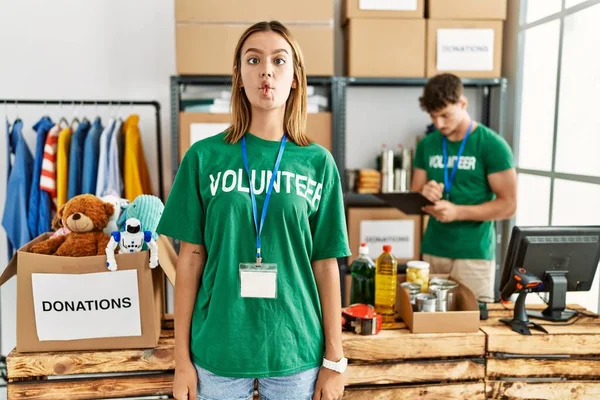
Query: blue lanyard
[[448, 182], [253, 196]]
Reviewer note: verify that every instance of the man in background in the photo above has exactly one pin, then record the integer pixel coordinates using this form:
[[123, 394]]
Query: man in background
[[466, 169]]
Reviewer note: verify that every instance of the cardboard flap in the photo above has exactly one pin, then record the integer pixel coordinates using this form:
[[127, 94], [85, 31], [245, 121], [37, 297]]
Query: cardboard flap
[[167, 258], [10, 271]]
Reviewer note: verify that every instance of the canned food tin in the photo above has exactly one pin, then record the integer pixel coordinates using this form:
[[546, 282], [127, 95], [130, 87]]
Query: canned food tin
[[426, 302]]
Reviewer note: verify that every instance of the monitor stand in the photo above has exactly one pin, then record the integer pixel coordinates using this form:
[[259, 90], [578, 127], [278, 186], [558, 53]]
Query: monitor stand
[[520, 323], [556, 282]]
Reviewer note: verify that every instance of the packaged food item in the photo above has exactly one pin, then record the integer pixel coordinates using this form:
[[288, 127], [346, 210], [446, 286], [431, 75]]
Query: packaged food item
[[426, 302], [363, 278], [443, 289], [418, 272], [412, 289], [386, 278]]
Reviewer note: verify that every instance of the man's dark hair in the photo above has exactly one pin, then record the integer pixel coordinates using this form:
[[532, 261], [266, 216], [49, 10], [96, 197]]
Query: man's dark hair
[[441, 91]]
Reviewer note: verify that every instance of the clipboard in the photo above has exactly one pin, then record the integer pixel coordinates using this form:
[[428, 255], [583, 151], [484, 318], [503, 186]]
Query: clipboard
[[407, 202]]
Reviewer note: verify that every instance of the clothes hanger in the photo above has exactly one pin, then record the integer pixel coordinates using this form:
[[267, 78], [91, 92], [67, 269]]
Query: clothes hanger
[[62, 123], [84, 119], [75, 118]]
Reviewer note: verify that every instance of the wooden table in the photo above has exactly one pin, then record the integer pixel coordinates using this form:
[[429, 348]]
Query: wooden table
[[95, 374], [564, 364], [402, 365], [494, 363], [397, 364]]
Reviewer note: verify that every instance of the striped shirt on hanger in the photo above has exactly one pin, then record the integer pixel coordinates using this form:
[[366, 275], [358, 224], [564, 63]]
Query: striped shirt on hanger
[[48, 176]]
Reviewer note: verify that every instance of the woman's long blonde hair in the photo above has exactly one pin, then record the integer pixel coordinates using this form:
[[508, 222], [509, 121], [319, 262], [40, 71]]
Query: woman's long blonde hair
[[295, 107]]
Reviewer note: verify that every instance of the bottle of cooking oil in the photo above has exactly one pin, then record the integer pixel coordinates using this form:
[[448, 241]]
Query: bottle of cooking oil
[[385, 286], [363, 278]]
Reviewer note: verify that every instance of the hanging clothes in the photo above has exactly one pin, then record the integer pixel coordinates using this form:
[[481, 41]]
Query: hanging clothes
[[103, 158], [121, 146], [114, 184], [62, 165], [91, 149], [137, 179], [48, 175], [14, 219], [38, 211], [76, 159]]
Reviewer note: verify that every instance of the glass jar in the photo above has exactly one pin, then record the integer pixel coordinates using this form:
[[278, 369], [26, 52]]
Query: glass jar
[[418, 272]]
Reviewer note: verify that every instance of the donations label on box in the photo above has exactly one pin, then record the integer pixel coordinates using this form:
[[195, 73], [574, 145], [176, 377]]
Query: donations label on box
[[86, 306], [388, 5], [400, 234], [465, 49]]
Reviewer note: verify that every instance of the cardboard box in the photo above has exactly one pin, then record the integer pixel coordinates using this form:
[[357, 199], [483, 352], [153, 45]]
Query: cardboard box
[[75, 303], [386, 48], [465, 319], [194, 126], [253, 11], [379, 226], [467, 9], [469, 49], [208, 49], [384, 9]]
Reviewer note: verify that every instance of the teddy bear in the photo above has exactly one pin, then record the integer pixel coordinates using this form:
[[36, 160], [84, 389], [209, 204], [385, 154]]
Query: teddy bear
[[85, 216]]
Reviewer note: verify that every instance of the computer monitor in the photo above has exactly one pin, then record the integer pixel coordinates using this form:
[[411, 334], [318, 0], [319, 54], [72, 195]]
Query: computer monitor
[[564, 258]]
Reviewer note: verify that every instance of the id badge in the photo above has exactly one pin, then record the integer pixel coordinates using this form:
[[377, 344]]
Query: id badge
[[258, 280]]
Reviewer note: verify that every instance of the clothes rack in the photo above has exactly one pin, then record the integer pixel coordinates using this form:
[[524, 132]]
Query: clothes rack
[[154, 104]]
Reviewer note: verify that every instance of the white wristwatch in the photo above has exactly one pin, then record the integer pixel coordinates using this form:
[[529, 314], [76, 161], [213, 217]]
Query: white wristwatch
[[339, 366]]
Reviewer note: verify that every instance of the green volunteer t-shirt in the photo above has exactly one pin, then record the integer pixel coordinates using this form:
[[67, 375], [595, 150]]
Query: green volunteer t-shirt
[[485, 153], [210, 204]]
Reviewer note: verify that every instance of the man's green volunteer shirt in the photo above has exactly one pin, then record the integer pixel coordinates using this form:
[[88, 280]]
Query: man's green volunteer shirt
[[485, 153]]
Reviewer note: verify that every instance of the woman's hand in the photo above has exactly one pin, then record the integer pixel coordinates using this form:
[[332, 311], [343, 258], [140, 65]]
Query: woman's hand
[[329, 386], [185, 382]]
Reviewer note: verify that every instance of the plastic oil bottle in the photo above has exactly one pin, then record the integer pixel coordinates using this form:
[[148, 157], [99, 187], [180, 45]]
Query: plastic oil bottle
[[362, 270], [385, 286]]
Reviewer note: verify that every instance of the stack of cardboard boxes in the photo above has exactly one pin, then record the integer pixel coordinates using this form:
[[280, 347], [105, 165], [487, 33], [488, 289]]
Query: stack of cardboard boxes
[[464, 37], [207, 32], [385, 38], [392, 38]]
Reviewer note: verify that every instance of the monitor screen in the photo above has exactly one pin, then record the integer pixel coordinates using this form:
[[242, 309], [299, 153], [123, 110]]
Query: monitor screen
[[574, 250]]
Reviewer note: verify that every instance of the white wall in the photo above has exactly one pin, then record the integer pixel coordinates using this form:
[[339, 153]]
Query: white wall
[[391, 116], [92, 49]]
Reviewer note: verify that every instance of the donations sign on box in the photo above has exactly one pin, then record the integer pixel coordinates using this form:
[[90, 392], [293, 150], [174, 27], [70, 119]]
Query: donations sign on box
[[400, 234], [86, 306]]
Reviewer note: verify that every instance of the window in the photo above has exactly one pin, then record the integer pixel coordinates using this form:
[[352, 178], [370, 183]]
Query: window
[[578, 139], [575, 203], [538, 9], [571, 3], [533, 208], [540, 65], [557, 124]]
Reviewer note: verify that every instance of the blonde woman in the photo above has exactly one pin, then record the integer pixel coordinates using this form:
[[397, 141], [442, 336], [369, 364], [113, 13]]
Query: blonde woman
[[260, 216]]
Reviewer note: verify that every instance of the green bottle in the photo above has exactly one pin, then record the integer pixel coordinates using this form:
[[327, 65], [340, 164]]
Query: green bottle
[[362, 270]]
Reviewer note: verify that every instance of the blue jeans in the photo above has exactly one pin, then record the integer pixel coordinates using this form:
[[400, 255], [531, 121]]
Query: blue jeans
[[300, 386]]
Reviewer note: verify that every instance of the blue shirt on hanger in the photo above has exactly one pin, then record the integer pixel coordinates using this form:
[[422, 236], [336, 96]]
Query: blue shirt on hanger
[[91, 149], [38, 211], [103, 158], [76, 159], [14, 219]]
